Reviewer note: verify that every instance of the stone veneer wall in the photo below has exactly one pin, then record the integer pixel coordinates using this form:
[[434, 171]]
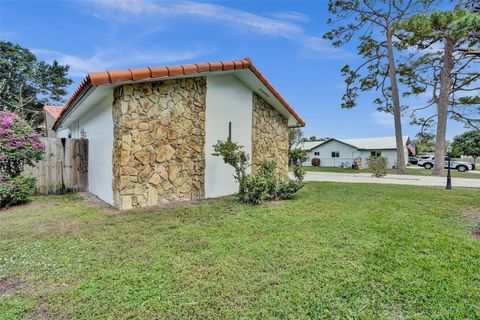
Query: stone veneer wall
[[159, 137], [269, 136]]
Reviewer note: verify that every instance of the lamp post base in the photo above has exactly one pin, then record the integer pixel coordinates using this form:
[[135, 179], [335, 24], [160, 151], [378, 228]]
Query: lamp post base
[[449, 176]]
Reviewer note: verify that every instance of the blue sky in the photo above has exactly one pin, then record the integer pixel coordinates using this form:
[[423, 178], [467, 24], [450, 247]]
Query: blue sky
[[283, 38]]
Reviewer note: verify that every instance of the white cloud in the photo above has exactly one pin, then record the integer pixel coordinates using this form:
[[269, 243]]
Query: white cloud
[[116, 58], [320, 48], [281, 26], [291, 15], [150, 31], [382, 119]]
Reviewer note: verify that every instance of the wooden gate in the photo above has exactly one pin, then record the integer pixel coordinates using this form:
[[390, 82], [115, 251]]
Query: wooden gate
[[65, 168]]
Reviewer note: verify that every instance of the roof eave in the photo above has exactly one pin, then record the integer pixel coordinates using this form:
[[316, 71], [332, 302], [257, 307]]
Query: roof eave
[[75, 99], [277, 95], [131, 75]]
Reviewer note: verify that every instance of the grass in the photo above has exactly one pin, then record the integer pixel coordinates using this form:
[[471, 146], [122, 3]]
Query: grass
[[410, 171], [357, 251]]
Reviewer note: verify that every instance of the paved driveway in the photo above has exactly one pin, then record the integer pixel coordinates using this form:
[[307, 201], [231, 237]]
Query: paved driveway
[[391, 179]]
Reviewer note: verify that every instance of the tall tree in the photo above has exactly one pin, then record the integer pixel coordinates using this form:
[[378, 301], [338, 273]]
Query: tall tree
[[26, 84], [448, 44], [468, 144], [295, 136], [424, 142], [374, 23]]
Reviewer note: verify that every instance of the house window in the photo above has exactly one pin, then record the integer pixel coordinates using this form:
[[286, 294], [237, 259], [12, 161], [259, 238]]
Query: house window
[[316, 153], [335, 154], [376, 154]]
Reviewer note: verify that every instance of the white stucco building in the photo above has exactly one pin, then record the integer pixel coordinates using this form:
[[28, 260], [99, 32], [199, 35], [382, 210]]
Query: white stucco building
[[342, 152], [151, 130]]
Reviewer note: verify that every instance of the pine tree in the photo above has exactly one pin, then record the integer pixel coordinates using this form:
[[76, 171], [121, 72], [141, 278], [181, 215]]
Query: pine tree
[[448, 44], [374, 23]]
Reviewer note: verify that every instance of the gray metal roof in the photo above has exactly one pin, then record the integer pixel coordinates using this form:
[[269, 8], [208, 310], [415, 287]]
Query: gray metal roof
[[379, 143]]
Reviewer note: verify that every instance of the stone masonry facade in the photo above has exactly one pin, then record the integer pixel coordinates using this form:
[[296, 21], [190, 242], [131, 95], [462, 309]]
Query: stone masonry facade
[[269, 136], [159, 137]]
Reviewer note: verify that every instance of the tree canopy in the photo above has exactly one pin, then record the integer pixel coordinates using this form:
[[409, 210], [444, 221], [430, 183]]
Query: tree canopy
[[430, 34], [295, 137], [467, 144], [27, 84], [374, 23], [424, 142], [448, 44]]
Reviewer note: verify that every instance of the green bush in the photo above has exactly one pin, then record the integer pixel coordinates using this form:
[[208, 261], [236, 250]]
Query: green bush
[[287, 189], [233, 155], [255, 188], [266, 172], [378, 166], [265, 185], [16, 190], [297, 157]]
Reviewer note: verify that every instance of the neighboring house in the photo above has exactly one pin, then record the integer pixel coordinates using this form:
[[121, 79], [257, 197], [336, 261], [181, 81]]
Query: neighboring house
[[342, 152], [51, 114], [151, 130]]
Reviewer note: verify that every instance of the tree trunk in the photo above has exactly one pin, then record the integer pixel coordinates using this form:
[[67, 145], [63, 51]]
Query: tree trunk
[[442, 107], [397, 114]]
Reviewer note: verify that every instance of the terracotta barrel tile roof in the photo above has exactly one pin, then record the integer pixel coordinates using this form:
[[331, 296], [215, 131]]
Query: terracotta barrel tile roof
[[140, 73], [135, 74], [159, 71], [54, 111]]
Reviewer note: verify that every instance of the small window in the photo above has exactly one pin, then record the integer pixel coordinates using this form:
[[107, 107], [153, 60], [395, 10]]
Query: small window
[[335, 154], [316, 153], [376, 154]]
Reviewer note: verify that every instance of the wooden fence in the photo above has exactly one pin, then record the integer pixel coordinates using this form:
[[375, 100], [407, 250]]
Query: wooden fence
[[65, 168]]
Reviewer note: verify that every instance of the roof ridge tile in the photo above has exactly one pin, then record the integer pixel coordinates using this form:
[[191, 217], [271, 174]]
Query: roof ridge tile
[[135, 74]]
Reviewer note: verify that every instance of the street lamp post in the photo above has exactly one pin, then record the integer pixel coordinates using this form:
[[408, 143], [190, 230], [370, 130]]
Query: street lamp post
[[449, 176]]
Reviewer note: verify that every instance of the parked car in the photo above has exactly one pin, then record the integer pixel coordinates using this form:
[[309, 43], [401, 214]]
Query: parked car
[[413, 160], [456, 164], [423, 159]]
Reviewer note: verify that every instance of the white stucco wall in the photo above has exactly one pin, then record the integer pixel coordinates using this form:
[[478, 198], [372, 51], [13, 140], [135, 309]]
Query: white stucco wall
[[390, 154], [62, 133], [347, 153], [98, 126], [228, 100]]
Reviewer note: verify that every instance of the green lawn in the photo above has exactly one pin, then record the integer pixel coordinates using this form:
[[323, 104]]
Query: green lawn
[[357, 251], [410, 171]]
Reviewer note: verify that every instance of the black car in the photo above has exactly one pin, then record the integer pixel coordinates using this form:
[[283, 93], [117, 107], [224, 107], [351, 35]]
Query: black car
[[413, 160]]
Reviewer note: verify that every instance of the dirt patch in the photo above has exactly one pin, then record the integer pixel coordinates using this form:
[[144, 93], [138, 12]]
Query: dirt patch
[[476, 230], [95, 202], [30, 204], [42, 312], [472, 215], [10, 283], [476, 234]]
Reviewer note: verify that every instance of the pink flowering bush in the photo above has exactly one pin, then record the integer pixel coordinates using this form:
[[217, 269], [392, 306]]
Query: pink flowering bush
[[19, 145], [16, 190]]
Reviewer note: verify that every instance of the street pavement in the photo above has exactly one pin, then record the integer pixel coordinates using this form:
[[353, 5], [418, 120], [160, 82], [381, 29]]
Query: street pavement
[[391, 179]]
